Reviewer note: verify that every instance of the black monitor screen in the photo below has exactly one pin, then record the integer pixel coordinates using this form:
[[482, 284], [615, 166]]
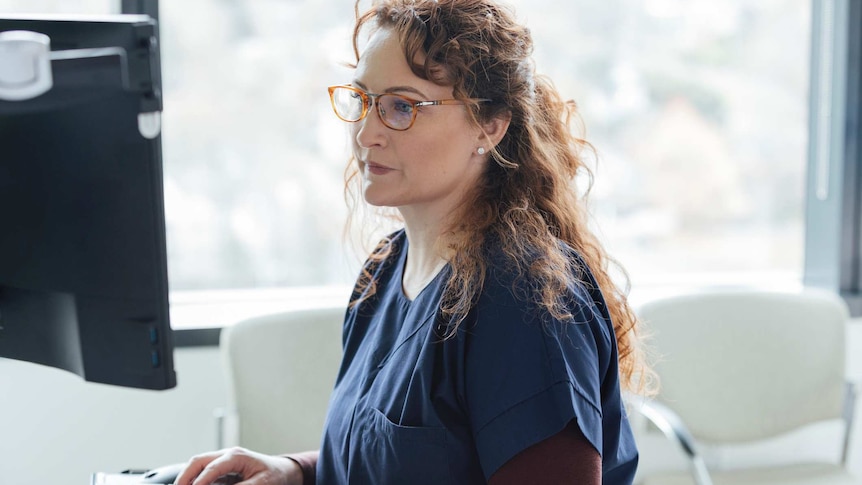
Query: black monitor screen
[[83, 267]]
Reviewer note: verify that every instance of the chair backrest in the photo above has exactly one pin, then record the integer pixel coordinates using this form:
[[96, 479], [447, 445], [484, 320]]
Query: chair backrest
[[281, 369], [748, 365]]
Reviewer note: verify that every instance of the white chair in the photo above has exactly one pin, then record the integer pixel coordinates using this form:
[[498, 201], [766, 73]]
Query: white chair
[[280, 370], [738, 367]]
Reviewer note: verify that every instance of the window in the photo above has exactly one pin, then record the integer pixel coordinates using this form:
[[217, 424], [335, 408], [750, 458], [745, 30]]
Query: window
[[698, 110], [254, 158]]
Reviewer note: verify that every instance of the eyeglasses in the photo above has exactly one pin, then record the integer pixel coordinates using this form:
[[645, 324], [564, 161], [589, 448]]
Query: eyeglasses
[[396, 111]]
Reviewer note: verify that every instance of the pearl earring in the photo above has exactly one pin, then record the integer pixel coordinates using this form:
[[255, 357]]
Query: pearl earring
[[481, 151]]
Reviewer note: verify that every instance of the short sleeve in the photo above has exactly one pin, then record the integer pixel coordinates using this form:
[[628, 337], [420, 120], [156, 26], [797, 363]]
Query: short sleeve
[[527, 375]]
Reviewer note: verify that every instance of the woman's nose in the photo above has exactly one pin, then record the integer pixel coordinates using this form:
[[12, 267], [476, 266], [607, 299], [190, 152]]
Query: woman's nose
[[370, 130]]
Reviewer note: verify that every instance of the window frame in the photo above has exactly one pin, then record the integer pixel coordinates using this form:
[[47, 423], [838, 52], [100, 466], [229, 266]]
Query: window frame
[[833, 219]]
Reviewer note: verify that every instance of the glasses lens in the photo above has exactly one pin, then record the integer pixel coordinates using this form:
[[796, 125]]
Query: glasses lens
[[348, 103], [396, 111]]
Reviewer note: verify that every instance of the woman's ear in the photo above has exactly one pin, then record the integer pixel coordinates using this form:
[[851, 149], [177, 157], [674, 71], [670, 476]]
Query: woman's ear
[[495, 129]]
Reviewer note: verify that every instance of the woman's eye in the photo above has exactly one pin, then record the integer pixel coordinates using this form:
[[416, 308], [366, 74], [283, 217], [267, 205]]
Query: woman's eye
[[402, 106]]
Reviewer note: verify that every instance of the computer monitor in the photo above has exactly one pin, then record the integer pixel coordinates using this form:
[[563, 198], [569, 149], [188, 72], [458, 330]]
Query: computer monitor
[[83, 266]]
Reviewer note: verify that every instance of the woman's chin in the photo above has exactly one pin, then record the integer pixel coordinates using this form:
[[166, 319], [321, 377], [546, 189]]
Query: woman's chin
[[376, 199]]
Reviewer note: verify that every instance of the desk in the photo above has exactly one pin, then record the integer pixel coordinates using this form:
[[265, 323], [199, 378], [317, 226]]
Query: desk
[[124, 478], [136, 477]]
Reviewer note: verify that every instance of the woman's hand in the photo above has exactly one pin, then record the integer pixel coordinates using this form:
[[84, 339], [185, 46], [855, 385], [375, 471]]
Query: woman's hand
[[255, 468]]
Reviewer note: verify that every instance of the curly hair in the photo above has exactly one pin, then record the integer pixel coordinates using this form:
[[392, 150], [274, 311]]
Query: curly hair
[[526, 200]]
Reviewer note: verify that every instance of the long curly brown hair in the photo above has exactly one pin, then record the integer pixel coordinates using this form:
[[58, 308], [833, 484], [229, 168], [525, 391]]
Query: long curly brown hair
[[526, 200]]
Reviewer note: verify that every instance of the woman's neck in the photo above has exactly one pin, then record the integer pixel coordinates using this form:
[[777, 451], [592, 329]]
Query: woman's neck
[[424, 260]]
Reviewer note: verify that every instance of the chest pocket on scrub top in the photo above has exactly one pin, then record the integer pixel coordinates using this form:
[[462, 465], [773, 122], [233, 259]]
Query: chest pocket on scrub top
[[407, 454]]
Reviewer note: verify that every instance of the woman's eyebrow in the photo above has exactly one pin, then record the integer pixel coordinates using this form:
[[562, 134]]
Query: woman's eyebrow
[[393, 89]]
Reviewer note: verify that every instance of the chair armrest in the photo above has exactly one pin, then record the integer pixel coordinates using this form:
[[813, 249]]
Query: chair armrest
[[226, 427], [666, 420]]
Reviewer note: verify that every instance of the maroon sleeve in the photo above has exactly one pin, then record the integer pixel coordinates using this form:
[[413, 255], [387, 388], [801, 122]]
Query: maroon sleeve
[[565, 458], [307, 461]]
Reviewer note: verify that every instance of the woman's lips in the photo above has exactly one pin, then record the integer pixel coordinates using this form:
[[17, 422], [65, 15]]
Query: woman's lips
[[377, 169]]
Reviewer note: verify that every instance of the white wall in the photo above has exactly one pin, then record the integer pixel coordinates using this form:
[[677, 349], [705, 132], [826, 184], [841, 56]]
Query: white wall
[[55, 428]]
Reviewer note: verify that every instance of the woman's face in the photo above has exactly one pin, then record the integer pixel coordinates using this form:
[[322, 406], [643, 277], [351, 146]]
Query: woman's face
[[427, 169]]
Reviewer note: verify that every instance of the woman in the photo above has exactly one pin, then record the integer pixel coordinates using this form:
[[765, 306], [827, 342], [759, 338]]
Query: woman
[[485, 342]]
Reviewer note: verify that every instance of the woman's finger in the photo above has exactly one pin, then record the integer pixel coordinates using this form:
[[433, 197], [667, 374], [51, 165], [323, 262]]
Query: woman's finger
[[195, 466]]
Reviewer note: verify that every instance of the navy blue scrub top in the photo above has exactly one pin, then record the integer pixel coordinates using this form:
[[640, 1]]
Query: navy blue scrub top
[[410, 407]]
